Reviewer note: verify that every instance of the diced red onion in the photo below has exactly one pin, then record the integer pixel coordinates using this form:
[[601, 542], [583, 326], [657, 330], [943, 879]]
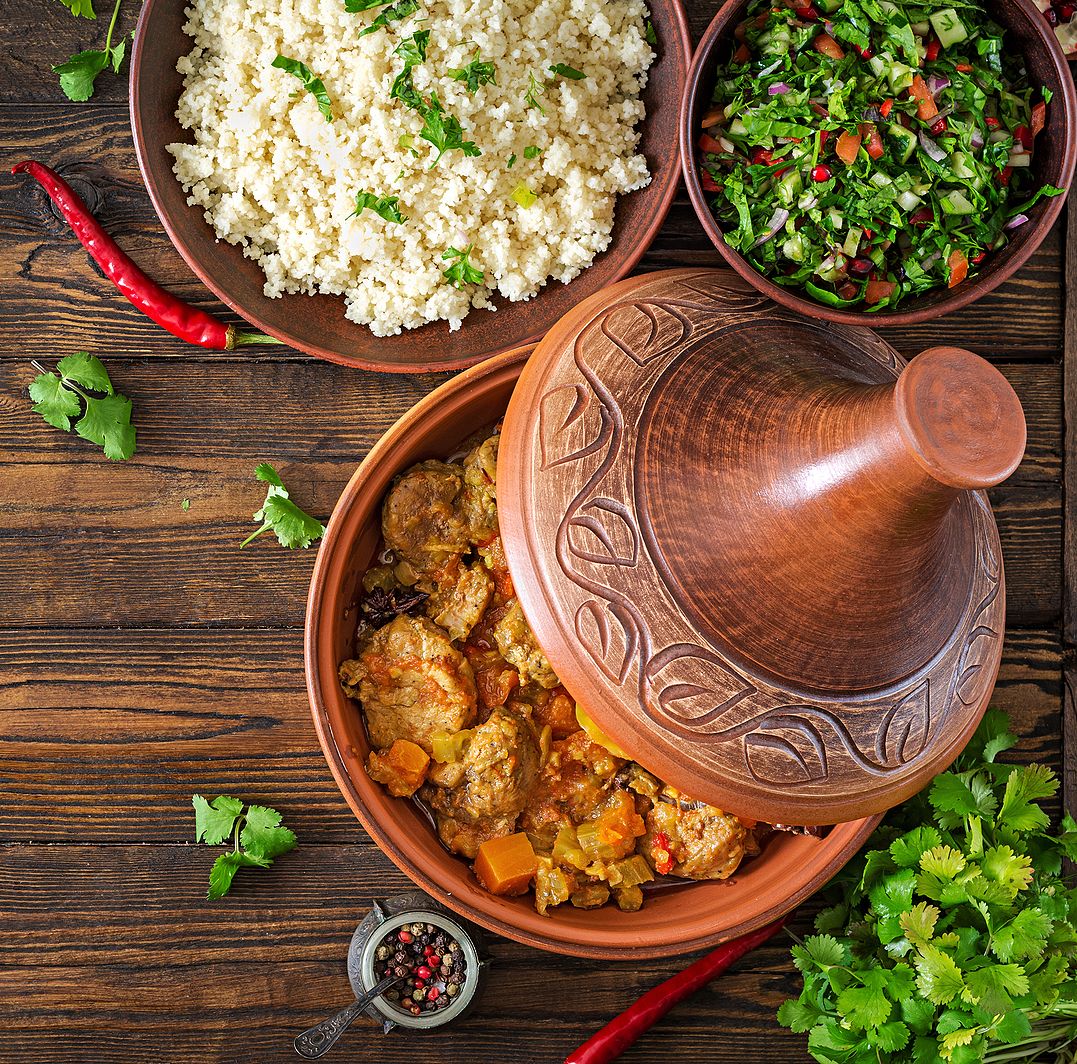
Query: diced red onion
[[777, 220], [976, 140], [872, 114], [770, 69], [1019, 220], [932, 149], [829, 27], [779, 88], [726, 145], [936, 83], [930, 260]]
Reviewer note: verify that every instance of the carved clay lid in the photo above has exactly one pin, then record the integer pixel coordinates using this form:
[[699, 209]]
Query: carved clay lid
[[751, 544]]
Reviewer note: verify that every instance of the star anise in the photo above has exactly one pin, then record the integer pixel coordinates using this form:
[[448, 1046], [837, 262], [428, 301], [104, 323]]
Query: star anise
[[379, 607]]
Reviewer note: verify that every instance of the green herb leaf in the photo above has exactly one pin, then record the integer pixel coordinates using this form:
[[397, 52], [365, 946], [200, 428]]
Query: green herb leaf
[[477, 72], [384, 206], [314, 85], [532, 152], [1024, 785], [402, 9], [413, 49], [214, 821], [535, 89], [649, 34], [444, 131], [562, 70], [185, 505], [59, 398], [355, 6], [866, 1005], [80, 8], [512, 161], [262, 835], [461, 272], [293, 527], [937, 976], [78, 74]]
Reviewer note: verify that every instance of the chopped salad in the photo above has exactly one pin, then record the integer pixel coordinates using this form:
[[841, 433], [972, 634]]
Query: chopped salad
[[867, 150]]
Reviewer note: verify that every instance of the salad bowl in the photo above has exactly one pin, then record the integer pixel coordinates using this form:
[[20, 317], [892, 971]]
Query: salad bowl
[[1052, 164]]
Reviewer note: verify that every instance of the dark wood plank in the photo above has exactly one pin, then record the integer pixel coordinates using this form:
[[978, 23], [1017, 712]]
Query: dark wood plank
[[113, 730], [57, 301], [1069, 519]]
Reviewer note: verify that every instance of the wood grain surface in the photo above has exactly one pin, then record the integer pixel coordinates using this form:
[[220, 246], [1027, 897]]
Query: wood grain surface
[[144, 658]]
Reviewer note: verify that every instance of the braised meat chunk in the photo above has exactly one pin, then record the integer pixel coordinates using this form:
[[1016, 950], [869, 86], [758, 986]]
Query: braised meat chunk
[[423, 522], [457, 605], [465, 837], [412, 684], [520, 649], [501, 763], [701, 842], [480, 492]]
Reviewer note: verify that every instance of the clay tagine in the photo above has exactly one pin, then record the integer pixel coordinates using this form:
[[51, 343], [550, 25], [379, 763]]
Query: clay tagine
[[756, 548]]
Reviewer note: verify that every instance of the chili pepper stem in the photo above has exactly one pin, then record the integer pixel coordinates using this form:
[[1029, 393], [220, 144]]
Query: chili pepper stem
[[236, 338]]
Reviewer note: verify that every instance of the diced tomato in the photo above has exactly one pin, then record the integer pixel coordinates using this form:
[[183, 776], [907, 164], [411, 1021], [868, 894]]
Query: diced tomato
[[964, 68], [807, 14], [824, 44], [977, 259], [886, 108], [873, 142], [742, 54], [877, 290], [708, 182], [992, 123], [762, 156], [925, 102], [959, 268], [741, 31], [867, 232], [663, 859], [1023, 135], [932, 49], [707, 143], [1003, 176], [848, 290], [1039, 117]]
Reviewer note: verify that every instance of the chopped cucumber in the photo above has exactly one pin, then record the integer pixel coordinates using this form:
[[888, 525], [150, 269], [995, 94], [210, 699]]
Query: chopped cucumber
[[948, 27], [793, 248], [954, 202], [906, 141], [900, 77], [789, 187], [852, 242], [959, 163]]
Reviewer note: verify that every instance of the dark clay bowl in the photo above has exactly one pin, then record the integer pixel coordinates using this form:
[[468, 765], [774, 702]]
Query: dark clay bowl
[[1052, 163], [789, 870], [316, 324]]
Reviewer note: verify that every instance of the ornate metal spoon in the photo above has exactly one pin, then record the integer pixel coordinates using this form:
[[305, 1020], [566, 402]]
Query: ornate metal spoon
[[320, 1038]]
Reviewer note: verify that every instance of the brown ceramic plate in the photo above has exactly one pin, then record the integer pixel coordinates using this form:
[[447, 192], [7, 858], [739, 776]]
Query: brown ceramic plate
[[789, 869], [1052, 163], [316, 324]]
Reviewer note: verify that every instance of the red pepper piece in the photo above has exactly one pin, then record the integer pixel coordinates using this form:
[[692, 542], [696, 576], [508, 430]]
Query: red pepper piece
[[886, 108], [187, 322], [964, 68], [977, 259], [1003, 176], [624, 1030], [867, 232], [824, 136], [762, 155], [939, 127], [932, 50], [1023, 135], [1039, 117]]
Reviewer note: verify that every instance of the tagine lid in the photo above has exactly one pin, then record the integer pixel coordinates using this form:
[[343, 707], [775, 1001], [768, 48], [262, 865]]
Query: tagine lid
[[755, 547]]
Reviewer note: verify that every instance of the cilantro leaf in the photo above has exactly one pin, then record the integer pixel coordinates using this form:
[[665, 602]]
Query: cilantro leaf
[[562, 70], [213, 821], [799, 1016], [649, 34], [477, 72], [890, 1037], [821, 951], [1011, 871], [461, 272], [413, 49], [384, 206], [293, 527], [532, 152], [402, 9], [314, 85], [261, 838], [444, 131], [512, 161], [910, 847], [919, 922], [78, 74], [60, 397], [535, 89], [1018, 811], [354, 6], [80, 8], [55, 403], [866, 1005], [937, 976]]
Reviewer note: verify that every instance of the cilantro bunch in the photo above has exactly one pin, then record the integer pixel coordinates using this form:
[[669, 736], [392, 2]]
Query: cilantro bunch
[[953, 937], [257, 836], [78, 74]]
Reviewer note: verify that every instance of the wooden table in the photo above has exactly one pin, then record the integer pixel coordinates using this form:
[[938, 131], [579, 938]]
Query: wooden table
[[144, 657]]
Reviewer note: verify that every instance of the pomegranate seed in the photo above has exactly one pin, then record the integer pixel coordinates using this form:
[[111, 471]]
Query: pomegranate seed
[[1052, 16], [865, 53], [1065, 11], [405, 937], [433, 994], [423, 972], [861, 267], [762, 155], [939, 127], [820, 172], [992, 123]]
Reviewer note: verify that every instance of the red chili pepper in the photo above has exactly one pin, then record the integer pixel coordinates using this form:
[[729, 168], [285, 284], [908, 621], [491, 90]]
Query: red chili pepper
[[623, 1031], [931, 51], [886, 108], [187, 322], [977, 259]]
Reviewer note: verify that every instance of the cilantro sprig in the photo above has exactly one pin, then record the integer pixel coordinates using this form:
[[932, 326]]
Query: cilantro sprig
[[402, 9], [444, 131], [413, 49], [563, 70], [461, 271], [477, 72], [66, 396], [953, 936], [384, 206], [535, 89], [78, 74], [293, 527], [257, 837], [314, 85]]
